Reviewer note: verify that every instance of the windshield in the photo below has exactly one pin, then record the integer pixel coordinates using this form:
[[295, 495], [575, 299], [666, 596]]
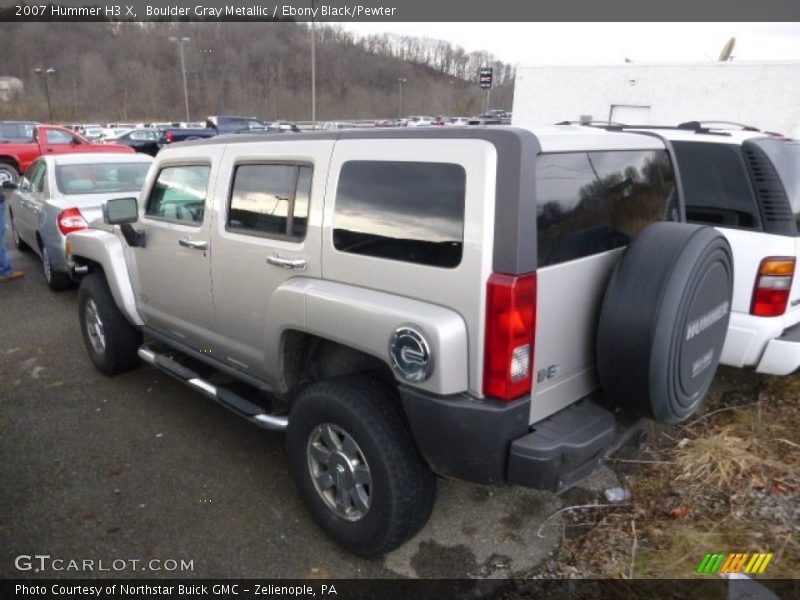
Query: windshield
[[785, 155], [101, 178]]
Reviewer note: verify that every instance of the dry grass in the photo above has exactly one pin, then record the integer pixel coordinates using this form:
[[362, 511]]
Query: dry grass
[[728, 481], [723, 460]]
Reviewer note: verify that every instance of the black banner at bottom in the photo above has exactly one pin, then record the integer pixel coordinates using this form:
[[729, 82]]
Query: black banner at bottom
[[389, 589]]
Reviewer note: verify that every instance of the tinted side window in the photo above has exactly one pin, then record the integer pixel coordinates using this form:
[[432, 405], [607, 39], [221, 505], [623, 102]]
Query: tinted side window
[[593, 202], [270, 200], [55, 136], [715, 185], [16, 132], [407, 211], [785, 157], [179, 194]]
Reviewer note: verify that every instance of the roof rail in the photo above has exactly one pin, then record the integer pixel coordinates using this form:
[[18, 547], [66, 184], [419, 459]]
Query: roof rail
[[593, 123], [713, 125]]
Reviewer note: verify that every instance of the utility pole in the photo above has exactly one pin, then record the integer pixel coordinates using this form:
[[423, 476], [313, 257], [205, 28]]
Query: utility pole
[[44, 74], [181, 43]]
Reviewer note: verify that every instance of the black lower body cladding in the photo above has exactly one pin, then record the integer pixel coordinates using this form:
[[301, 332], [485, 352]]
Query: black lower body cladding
[[664, 320]]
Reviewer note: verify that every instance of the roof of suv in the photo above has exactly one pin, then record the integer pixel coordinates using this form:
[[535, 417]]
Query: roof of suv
[[557, 138], [718, 136]]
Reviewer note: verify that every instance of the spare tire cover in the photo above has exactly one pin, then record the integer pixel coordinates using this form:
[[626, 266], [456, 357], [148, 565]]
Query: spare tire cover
[[664, 320]]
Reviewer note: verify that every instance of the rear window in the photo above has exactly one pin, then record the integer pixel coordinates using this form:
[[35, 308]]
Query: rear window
[[785, 156], [716, 188], [17, 132], [405, 211], [592, 202], [101, 178]]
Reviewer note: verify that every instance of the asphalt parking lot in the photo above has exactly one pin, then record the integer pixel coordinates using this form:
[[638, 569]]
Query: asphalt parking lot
[[141, 467]]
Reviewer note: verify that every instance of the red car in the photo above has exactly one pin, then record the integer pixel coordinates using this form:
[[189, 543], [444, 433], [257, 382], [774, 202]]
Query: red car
[[22, 142]]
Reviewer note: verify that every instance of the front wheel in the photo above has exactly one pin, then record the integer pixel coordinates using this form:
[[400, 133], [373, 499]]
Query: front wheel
[[56, 281], [356, 466], [112, 342]]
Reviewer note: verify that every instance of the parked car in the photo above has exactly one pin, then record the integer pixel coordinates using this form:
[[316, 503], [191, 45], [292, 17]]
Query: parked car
[[333, 125], [147, 141], [458, 302], [63, 193], [94, 134], [418, 121], [16, 155], [232, 124], [746, 183], [456, 122], [182, 134], [281, 126]]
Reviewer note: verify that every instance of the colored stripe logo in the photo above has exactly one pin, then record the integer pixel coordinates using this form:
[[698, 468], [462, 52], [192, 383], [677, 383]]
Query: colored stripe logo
[[737, 562]]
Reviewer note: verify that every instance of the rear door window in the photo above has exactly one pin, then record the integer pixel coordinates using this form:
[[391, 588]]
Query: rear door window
[[592, 202], [270, 200], [405, 211], [716, 188]]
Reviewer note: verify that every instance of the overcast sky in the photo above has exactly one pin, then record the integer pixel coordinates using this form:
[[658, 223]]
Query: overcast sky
[[604, 43]]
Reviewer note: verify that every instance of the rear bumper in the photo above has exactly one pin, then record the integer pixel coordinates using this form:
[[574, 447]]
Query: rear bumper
[[762, 343], [782, 355], [491, 442]]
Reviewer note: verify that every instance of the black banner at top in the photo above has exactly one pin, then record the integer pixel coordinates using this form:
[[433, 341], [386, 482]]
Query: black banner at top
[[399, 10]]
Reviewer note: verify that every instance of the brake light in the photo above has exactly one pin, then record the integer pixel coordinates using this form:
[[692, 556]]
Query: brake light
[[773, 284], [510, 330], [170, 136], [70, 220]]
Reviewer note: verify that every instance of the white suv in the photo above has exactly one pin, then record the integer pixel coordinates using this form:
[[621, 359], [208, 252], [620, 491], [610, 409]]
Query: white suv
[[746, 183]]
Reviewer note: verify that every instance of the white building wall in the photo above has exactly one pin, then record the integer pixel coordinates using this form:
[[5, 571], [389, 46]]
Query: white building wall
[[763, 94]]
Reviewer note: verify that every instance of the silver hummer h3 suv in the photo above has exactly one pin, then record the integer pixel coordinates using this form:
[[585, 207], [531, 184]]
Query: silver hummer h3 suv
[[493, 304]]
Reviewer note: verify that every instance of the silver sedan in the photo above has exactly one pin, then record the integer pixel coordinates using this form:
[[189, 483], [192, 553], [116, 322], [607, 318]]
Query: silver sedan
[[63, 193]]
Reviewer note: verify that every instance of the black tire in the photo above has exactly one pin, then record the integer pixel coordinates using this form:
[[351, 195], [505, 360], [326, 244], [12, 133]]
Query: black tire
[[664, 320], [122, 340], [18, 243], [56, 280], [8, 172], [402, 489]]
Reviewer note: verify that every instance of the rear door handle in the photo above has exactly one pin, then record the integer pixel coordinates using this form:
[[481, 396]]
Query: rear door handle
[[297, 264], [194, 244]]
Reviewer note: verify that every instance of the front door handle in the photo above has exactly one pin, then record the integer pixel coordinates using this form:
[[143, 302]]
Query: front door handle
[[194, 244], [297, 264]]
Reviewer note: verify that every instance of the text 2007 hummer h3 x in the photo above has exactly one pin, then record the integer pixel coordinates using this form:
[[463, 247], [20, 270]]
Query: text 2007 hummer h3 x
[[492, 304]]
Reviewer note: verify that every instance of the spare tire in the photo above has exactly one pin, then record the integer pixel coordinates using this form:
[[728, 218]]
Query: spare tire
[[664, 320]]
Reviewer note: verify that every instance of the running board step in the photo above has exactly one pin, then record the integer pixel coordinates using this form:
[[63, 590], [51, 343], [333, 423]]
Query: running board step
[[242, 407]]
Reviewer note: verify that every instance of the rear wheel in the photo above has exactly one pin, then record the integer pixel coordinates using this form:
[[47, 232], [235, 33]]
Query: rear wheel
[[56, 280], [356, 465], [20, 245], [8, 172], [112, 342]]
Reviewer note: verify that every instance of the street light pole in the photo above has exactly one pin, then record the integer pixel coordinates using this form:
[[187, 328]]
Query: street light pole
[[44, 74], [313, 68], [181, 43], [400, 81], [313, 75]]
